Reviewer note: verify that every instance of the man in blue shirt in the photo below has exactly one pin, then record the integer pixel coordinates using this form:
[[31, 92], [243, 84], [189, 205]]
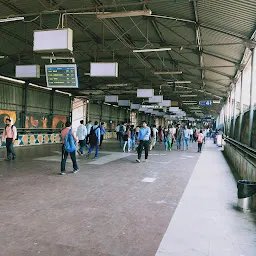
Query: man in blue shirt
[[143, 140], [102, 132], [94, 139]]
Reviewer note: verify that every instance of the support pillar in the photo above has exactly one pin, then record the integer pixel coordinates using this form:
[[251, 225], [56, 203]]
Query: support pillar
[[252, 91], [234, 114], [24, 105], [241, 108]]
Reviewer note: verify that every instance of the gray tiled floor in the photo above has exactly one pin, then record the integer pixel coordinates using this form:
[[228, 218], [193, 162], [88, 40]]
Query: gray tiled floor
[[206, 221], [104, 210]]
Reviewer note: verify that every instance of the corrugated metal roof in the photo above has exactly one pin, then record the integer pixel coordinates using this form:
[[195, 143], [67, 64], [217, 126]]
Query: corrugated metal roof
[[225, 28]]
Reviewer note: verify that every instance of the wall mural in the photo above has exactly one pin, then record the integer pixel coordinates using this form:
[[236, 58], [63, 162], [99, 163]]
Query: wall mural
[[4, 114]]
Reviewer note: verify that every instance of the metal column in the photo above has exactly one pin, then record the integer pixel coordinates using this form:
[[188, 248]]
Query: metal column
[[24, 105], [234, 114], [241, 109], [253, 84]]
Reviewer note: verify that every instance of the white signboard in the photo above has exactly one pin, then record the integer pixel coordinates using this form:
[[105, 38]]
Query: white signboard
[[145, 93], [57, 40], [156, 99], [135, 106], [104, 69], [111, 98], [27, 71], [124, 103]]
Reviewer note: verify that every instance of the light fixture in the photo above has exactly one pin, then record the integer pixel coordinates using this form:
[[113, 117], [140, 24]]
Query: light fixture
[[112, 15], [183, 91], [188, 95], [190, 103], [179, 82], [153, 50], [11, 19], [116, 85], [45, 88], [12, 80], [168, 73]]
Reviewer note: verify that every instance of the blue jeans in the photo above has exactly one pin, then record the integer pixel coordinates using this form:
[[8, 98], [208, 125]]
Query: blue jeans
[[96, 151], [132, 143], [178, 142], [185, 143]]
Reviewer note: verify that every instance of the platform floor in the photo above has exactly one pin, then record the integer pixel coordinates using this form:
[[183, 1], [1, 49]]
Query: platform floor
[[112, 207]]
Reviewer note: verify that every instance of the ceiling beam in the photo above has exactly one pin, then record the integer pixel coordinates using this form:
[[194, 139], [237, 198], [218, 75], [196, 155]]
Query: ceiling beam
[[199, 42]]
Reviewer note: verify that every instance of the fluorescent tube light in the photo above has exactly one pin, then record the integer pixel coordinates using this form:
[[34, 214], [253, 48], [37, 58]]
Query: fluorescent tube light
[[123, 14], [168, 73], [11, 19], [116, 85], [153, 50], [190, 103], [12, 80], [41, 87], [188, 95], [69, 94], [183, 91], [179, 82]]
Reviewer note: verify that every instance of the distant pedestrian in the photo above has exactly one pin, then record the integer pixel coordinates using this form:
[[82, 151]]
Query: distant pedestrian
[[200, 141], [69, 142], [88, 127], [126, 138], [102, 132], [186, 137], [81, 134], [118, 131], [143, 140], [94, 140], [9, 135], [121, 134]]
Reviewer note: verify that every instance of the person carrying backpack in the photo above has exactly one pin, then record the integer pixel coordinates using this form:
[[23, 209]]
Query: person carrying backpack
[[10, 135], [121, 134], [69, 142], [94, 140]]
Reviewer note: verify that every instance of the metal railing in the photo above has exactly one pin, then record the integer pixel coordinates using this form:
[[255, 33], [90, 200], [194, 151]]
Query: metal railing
[[248, 151]]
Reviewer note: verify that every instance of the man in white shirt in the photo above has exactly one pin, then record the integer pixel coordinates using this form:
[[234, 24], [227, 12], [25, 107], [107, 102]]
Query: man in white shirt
[[88, 127], [81, 134], [155, 133]]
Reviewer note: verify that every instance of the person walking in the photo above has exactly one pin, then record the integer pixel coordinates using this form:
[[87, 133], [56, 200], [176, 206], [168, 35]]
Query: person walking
[[121, 134], [155, 133], [186, 137], [81, 134], [127, 137], [132, 139], [117, 131], [143, 140], [88, 127], [9, 135], [69, 142], [102, 132], [94, 140], [200, 140], [178, 137]]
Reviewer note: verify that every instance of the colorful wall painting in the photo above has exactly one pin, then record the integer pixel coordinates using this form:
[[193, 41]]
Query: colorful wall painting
[[4, 114]]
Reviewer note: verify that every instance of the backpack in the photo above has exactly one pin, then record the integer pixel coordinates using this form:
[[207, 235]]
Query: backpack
[[122, 130], [93, 137], [69, 142], [17, 137]]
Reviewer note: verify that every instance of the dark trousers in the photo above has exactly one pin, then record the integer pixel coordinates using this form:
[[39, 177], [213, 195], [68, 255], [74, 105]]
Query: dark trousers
[[117, 135], [82, 144], [87, 139], [143, 144], [64, 160], [200, 147], [101, 139], [10, 150]]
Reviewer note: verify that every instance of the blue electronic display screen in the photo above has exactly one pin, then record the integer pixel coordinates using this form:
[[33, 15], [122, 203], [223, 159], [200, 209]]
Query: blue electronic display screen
[[61, 76]]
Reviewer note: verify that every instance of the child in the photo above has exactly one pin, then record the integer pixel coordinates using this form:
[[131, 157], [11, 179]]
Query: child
[[200, 141]]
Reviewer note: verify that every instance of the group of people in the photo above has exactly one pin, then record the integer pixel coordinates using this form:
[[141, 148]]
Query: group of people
[[90, 136], [129, 137]]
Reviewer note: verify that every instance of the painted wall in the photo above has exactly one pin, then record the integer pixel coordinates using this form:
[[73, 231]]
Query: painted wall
[[34, 110]]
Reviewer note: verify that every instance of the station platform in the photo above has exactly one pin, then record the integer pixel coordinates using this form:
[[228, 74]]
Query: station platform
[[183, 201]]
